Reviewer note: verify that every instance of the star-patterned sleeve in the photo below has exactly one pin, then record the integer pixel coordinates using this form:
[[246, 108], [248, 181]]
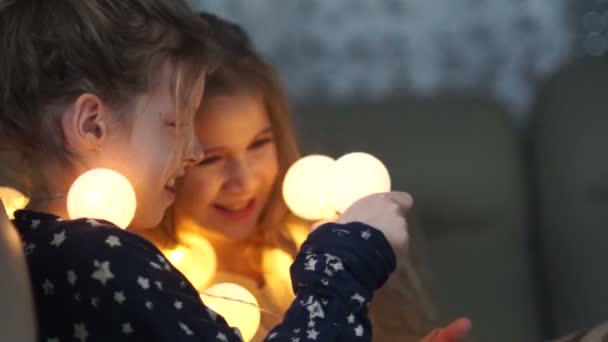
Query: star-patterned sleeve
[[95, 282], [334, 276]]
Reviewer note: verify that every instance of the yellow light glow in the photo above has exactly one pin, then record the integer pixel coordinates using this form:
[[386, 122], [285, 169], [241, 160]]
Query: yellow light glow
[[276, 263], [307, 187], [102, 194], [237, 305], [13, 200], [195, 258], [358, 175]]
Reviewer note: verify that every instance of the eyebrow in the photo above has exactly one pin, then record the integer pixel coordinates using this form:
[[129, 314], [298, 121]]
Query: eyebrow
[[262, 132]]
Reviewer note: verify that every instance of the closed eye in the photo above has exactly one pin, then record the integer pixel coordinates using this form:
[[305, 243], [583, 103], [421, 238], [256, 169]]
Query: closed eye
[[210, 160], [261, 143]]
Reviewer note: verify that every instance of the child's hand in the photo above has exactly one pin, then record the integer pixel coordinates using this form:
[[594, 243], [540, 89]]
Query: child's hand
[[385, 212], [456, 331]]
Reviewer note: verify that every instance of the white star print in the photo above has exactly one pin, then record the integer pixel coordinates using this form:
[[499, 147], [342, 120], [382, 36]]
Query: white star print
[[359, 331], [178, 305], [155, 265], [238, 333], [311, 263], [186, 329], [183, 284], [77, 296], [164, 262], [272, 336], [312, 334], [311, 324], [295, 339], [212, 314], [93, 223], [366, 234], [351, 319], [119, 297], [359, 298], [159, 285], [48, 287], [149, 305], [95, 302], [315, 310], [58, 239], [113, 241], [143, 282], [72, 277], [103, 273], [221, 337], [127, 328], [35, 224], [80, 332], [29, 248]]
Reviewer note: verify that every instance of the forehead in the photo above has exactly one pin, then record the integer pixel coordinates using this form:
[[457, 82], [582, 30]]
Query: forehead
[[231, 120]]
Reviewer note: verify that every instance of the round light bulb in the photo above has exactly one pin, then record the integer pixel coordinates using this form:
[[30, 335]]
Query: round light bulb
[[102, 194], [307, 186], [358, 175], [13, 200], [237, 305], [195, 258]]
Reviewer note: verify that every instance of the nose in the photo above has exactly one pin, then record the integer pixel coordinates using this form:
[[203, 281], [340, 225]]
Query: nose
[[242, 178], [194, 153]]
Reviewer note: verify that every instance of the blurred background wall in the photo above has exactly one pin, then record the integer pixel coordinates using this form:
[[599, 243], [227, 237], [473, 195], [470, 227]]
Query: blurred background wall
[[344, 49]]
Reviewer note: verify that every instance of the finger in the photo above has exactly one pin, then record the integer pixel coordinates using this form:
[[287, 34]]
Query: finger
[[455, 331], [402, 199]]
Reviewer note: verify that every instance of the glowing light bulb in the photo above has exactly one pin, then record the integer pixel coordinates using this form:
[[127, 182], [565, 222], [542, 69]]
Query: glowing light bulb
[[195, 258], [13, 200], [237, 305], [102, 194], [307, 186], [358, 175]]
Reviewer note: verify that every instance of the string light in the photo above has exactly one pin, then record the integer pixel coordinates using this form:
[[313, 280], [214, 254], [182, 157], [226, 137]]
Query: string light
[[13, 200], [307, 186], [102, 194], [237, 305]]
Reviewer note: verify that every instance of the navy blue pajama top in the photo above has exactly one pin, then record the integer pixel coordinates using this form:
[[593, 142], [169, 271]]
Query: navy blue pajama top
[[93, 281]]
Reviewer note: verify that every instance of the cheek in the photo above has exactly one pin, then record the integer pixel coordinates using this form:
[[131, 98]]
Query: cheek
[[268, 168], [199, 188]]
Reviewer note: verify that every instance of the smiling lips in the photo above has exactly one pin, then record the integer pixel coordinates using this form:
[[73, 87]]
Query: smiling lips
[[236, 211]]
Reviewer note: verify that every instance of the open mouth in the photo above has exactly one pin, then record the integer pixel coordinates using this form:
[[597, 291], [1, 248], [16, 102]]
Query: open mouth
[[170, 186]]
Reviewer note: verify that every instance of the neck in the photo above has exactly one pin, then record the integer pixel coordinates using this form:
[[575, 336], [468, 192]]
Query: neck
[[49, 191]]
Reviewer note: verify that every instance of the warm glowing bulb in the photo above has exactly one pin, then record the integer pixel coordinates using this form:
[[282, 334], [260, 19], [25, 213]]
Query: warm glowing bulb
[[358, 175], [102, 194], [13, 200], [196, 259], [237, 305], [307, 187]]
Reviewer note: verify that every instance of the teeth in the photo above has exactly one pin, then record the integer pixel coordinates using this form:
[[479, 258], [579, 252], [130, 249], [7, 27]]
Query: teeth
[[171, 183]]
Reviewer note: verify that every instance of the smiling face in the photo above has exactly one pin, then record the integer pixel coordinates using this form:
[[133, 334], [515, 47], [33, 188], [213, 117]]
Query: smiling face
[[228, 190], [155, 150]]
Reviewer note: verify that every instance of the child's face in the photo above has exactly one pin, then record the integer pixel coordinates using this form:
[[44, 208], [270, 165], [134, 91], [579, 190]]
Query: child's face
[[227, 191], [155, 151]]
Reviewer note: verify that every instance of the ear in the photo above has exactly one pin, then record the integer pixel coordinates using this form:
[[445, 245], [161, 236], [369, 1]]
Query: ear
[[86, 123]]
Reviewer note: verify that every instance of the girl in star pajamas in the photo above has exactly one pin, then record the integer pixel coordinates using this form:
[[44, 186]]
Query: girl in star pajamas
[[114, 84]]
